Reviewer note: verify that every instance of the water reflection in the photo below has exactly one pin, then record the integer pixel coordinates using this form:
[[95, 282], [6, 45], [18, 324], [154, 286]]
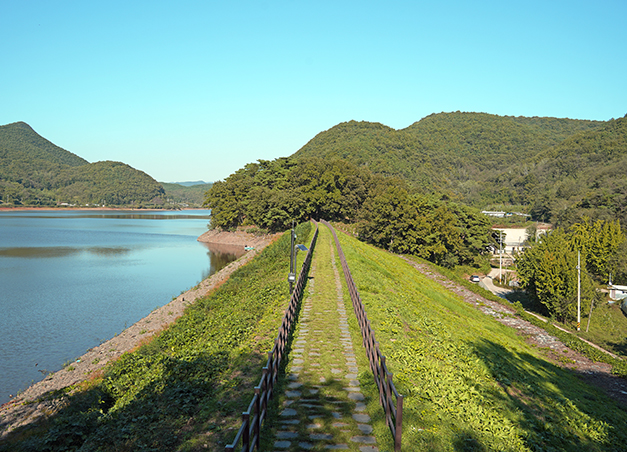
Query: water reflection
[[61, 251], [37, 252], [108, 251], [81, 277], [113, 216], [220, 256]]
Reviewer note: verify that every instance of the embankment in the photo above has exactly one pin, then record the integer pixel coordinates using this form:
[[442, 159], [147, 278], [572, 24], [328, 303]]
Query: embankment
[[34, 402]]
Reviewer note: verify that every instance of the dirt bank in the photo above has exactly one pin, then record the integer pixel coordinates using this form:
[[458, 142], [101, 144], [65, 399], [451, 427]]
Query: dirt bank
[[238, 238], [37, 400]]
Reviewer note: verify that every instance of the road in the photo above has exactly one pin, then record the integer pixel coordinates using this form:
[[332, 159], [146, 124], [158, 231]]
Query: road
[[488, 284]]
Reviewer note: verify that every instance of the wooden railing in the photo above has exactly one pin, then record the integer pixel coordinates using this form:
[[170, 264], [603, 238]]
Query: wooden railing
[[382, 377], [249, 434]]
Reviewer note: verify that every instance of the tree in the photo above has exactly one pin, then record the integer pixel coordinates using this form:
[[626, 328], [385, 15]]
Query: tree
[[444, 233], [270, 194], [598, 243], [548, 271]]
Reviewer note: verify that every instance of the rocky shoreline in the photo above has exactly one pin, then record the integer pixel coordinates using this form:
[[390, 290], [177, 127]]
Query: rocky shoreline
[[38, 400]]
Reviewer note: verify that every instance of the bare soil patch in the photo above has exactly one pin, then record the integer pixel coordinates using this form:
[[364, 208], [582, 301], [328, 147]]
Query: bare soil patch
[[43, 398]]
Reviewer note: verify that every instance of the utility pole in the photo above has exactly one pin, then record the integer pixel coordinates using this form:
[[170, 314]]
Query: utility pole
[[500, 257], [578, 290]]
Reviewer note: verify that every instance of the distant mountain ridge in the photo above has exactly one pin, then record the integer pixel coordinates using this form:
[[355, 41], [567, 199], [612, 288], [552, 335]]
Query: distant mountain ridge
[[188, 183], [34, 171], [191, 195], [482, 159]]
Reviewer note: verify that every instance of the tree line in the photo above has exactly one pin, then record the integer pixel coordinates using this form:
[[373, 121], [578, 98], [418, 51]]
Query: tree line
[[386, 211]]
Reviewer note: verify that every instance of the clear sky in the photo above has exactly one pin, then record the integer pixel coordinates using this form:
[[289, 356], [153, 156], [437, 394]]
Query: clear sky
[[195, 90]]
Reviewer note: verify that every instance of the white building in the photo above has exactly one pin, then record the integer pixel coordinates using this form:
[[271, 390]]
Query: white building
[[617, 292], [514, 238]]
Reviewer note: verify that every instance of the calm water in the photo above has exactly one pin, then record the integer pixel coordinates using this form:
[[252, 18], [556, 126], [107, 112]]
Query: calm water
[[72, 279]]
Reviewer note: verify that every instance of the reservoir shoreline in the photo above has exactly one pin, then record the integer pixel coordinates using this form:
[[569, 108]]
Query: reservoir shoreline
[[39, 399]]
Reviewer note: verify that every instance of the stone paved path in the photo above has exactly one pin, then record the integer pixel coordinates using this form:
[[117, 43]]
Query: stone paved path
[[323, 407]]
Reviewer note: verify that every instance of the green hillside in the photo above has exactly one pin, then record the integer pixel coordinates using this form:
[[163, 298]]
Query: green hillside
[[586, 174], [23, 146], [35, 172], [110, 183], [471, 383], [192, 195], [467, 156]]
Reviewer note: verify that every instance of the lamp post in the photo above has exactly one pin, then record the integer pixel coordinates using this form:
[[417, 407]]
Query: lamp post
[[291, 277], [294, 249]]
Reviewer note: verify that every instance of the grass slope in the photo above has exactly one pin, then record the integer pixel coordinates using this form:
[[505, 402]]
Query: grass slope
[[471, 383], [186, 389]]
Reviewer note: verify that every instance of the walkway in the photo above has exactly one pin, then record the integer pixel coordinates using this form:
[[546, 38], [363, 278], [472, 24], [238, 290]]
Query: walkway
[[488, 284], [323, 407]]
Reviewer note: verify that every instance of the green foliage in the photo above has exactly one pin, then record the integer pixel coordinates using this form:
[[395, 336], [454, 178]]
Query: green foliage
[[196, 377], [547, 270], [445, 233], [598, 242], [469, 382], [270, 194], [584, 176], [470, 156], [35, 172]]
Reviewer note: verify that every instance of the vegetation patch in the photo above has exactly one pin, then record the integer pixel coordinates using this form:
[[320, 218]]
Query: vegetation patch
[[185, 389], [471, 383], [606, 318]]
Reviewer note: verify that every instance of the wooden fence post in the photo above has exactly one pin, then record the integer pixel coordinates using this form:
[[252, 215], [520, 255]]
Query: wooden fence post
[[246, 435], [399, 423], [257, 428]]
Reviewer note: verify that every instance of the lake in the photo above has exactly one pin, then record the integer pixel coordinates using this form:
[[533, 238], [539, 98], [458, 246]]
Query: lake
[[70, 280]]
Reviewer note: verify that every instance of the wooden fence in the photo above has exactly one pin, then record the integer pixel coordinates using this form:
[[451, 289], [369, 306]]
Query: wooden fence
[[382, 377], [249, 434]]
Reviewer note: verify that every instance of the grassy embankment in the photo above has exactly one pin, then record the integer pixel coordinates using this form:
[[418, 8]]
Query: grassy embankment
[[471, 383], [184, 390], [608, 325], [608, 328]]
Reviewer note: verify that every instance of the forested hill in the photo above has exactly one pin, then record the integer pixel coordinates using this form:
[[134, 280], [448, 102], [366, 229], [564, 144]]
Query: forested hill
[[189, 194], [586, 174], [460, 154], [476, 158], [25, 153], [34, 171]]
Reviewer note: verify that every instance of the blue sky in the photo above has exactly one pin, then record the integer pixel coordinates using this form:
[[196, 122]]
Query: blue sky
[[195, 90]]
